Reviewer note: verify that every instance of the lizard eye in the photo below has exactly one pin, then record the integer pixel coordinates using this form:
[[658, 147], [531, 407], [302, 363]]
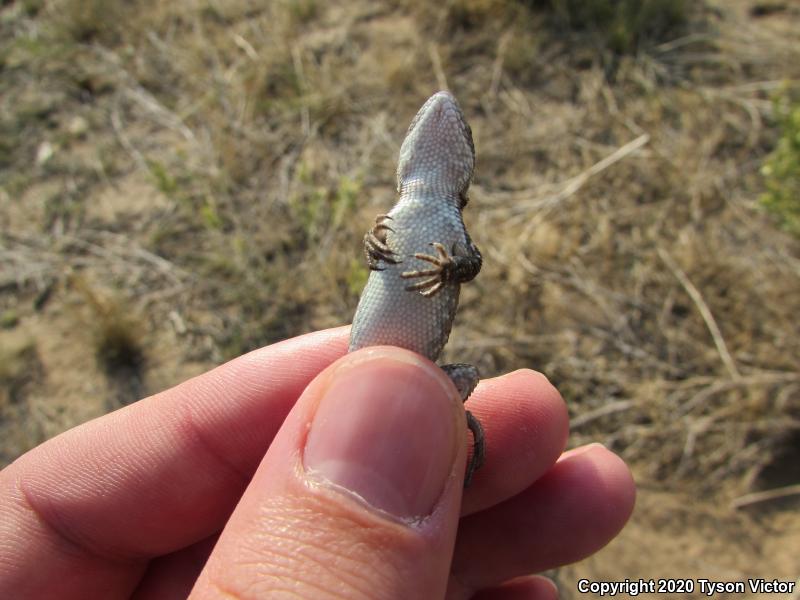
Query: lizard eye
[[463, 199]]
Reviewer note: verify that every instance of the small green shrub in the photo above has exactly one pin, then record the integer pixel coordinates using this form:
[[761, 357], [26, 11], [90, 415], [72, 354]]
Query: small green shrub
[[622, 25], [9, 319], [87, 21], [318, 208], [302, 11], [357, 275], [210, 215], [781, 170], [471, 14], [162, 178]]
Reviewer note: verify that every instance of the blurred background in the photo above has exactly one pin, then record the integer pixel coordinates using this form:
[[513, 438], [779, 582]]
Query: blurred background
[[183, 182]]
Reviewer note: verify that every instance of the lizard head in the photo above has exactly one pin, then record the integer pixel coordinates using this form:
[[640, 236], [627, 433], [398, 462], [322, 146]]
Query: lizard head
[[437, 154]]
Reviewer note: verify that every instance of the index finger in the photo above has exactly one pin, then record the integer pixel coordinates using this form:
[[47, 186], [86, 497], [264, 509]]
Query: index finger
[[90, 506]]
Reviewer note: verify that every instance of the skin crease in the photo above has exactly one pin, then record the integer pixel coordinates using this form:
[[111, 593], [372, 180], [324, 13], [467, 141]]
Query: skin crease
[[131, 504]]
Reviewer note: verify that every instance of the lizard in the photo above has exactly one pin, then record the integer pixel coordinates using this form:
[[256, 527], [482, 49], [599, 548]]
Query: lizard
[[420, 253]]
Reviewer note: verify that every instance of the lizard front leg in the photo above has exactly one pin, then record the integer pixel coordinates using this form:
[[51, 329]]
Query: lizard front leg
[[466, 377], [462, 266], [376, 247]]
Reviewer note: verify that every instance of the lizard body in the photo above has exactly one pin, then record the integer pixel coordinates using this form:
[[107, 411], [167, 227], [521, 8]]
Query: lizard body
[[420, 252]]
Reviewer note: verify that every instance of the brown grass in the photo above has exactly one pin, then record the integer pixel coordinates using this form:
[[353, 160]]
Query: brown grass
[[217, 164]]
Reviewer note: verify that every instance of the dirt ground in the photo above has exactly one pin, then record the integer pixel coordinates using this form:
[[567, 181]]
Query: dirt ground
[[159, 180]]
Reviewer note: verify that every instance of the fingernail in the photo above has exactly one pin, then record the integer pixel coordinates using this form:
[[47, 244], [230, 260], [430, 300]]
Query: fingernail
[[386, 430], [581, 450], [543, 587]]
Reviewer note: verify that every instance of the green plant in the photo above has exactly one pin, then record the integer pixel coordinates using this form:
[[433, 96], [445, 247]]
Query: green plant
[[357, 275], [18, 364], [318, 208], [344, 199], [622, 25], [92, 20], [470, 14], [164, 181], [9, 319], [302, 11], [781, 169], [210, 215]]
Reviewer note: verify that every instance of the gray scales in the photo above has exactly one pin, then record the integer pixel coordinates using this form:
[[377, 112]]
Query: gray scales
[[420, 252]]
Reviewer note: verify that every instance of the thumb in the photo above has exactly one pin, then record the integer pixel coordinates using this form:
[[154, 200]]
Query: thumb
[[359, 493]]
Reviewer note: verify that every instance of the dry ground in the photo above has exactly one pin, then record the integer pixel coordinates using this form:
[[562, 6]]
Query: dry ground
[[181, 182]]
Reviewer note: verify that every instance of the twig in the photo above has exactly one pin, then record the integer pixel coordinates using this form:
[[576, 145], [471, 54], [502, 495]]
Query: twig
[[297, 63], [762, 86], [695, 429], [138, 94], [705, 312], [246, 46], [683, 41], [436, 62], [570, 186], [497, 65], [593, 415], [765, 496], [717, 387], [125, 142], [577, 182], [161, 114], [126, 251]]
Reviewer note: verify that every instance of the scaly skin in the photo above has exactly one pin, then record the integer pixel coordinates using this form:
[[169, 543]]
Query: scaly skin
[[420, 252]]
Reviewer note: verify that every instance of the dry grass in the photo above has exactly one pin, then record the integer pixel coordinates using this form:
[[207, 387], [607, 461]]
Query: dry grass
[[217, 164], [20, 367], [635, 268]]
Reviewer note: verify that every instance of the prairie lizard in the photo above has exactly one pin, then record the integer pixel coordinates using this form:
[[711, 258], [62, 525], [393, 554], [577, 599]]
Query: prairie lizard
[[420, 252]]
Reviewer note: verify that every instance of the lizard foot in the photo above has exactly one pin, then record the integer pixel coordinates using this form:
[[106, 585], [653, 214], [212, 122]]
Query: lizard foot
[[437, 276], [375, 246]]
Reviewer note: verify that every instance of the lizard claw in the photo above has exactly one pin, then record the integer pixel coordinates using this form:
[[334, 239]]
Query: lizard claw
[[375, 245], [380, 225], [443, 264]]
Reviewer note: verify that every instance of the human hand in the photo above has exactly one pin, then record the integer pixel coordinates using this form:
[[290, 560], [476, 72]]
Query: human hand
[[359, 493]]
